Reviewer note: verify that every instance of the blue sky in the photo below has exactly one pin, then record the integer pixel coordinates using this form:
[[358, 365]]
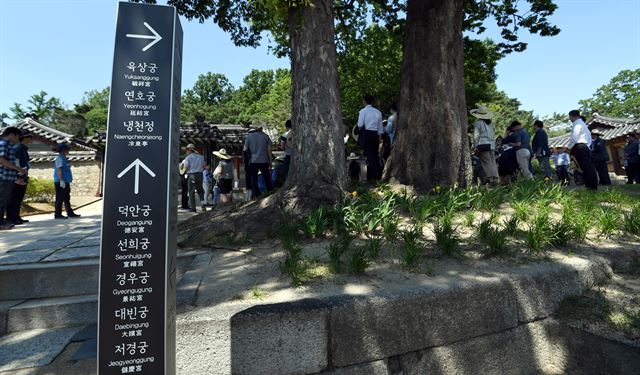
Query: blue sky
[[65, 47]]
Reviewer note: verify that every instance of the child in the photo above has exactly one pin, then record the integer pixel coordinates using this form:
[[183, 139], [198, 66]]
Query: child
[[561, 161]]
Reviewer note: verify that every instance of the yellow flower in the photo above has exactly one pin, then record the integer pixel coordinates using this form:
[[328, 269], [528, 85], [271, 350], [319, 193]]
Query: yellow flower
[[437, 188], [354, 194]]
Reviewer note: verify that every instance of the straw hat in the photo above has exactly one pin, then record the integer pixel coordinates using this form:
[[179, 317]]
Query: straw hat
[[482, 113], [191, 146], [182, 168], [596, 132], [222, 154], [352, 156]]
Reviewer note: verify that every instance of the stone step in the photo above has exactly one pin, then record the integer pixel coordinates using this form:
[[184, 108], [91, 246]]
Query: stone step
[[52, 313], [79, 310], [61, 278]]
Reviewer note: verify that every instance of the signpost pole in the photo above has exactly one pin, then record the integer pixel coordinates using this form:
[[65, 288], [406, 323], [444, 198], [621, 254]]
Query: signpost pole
[[136, 316]]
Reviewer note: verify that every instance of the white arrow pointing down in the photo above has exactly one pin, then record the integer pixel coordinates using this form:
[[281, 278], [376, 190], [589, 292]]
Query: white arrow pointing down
[[136, 163], [156, 37]]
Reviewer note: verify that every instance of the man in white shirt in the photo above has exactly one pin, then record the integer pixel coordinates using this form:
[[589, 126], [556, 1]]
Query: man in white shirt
[[370, 127], [194, 164], [579, 144]]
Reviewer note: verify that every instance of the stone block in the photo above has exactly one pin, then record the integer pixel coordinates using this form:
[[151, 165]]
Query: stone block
[[522, 350], [22, 257], [189, 282], [374, 328], [285, 338], [541, 288], [45, 280], [33, 348], [4, 311], [370, 368], [53, 312], [74, 253]]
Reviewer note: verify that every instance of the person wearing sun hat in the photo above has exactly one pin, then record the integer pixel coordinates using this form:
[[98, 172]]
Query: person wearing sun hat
[[600, 157], [484, 143], [194, 164], [354, 167], [224, 175]]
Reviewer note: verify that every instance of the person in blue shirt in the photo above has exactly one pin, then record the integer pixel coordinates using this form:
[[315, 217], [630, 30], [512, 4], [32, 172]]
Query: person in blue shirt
[[21, 153], [62, 179]]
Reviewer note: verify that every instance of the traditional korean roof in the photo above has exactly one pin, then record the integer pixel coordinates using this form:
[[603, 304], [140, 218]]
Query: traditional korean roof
[[49, 156], [611, 128], [229, 136], [615, 122], [52, 136]]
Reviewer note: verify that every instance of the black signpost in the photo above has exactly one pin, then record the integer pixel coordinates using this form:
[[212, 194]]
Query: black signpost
[[136, 322]]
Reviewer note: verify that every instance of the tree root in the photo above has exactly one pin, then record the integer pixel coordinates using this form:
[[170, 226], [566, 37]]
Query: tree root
[[236, 223]]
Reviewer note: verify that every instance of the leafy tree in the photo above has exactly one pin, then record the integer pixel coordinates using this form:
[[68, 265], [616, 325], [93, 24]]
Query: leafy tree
[[274, 107], [204, 101], [507, 110], [557, 124], [434, 148], [94, 108], [69, 121], [318, 171], [39, 105], [242, 105], [371, 65], [619, 98]]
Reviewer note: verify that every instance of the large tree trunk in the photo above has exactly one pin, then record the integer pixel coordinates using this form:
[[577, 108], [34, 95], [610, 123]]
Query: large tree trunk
[[431, 147], [318, 169]]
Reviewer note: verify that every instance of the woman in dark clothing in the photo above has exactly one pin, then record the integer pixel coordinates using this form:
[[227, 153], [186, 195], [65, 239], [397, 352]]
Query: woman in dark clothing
[[508, 163]]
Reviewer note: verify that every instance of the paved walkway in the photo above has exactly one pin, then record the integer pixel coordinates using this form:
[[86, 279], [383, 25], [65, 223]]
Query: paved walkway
[[45, 239]]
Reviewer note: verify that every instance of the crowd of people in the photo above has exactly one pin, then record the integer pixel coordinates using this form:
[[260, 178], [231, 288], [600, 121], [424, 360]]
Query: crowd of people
[[495, 160], [14, 177], [503, 159]]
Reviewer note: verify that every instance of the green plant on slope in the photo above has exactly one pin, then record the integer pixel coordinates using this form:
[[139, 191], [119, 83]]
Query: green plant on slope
[[336, 249], [447, 239], [390, 227], [413, 251], [521, 208], [631, 220], [469, 219], [315, 224], [360, 260], [292, 264], [609, 220], [538, 232]]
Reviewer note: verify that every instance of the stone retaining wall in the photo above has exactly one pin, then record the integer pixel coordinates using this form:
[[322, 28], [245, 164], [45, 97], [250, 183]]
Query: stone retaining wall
[[490, 324], [86, 176]]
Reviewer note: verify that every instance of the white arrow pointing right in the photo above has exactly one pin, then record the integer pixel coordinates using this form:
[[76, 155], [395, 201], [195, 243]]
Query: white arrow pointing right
[[156, 37]]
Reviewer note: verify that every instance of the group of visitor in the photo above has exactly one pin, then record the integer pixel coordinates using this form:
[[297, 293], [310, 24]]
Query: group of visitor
[[375, 137], [197, 179], [509, 156], [14, 177]]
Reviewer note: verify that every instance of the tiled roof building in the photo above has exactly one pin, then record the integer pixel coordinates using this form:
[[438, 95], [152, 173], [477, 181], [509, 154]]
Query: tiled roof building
[[614, 131]]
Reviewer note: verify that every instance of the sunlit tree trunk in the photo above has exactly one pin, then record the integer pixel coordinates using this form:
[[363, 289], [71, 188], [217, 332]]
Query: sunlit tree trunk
[[318, 168], [431, 145]]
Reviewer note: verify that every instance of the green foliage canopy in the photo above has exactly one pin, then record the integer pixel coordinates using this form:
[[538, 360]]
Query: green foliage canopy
[[619, 98]]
